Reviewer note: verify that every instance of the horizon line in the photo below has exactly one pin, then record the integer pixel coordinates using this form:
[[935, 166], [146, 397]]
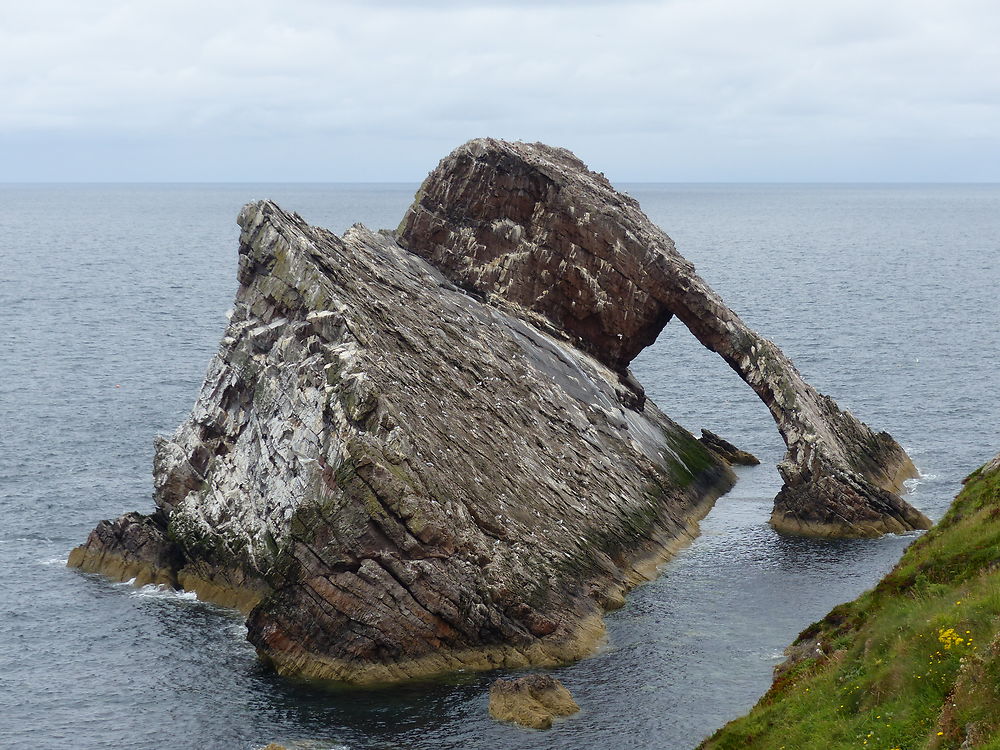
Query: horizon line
[[39, 183]]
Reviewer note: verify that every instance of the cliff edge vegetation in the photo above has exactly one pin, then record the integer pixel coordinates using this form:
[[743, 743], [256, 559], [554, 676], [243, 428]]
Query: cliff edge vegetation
[[913, 664]]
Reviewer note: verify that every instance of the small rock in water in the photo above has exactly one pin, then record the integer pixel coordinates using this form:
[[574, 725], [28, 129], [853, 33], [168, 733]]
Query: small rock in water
[[531, 701], [725, 449]]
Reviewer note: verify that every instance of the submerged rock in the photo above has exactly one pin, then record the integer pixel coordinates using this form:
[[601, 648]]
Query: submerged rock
[[532, 701], [401, 471], [537, 233], [727, 450]]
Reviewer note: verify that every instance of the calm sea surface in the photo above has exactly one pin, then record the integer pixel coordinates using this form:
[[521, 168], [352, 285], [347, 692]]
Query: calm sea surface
[[113, 301]]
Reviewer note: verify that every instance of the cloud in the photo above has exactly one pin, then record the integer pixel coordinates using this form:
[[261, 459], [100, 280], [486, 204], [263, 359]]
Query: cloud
[[349, 85]]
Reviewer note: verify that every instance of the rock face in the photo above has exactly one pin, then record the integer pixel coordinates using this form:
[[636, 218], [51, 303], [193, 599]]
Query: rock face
[[533, 230], [415, 456], [133, 546], [725, 449], [532, 701], [401, 480]]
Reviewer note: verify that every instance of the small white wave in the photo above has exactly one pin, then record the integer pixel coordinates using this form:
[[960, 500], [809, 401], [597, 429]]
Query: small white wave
[[914, 482], [61, 561], [160, 591], [773, 656]]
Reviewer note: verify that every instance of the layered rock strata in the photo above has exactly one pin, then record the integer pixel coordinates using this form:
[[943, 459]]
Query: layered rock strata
[[401, 480], [536, 233]]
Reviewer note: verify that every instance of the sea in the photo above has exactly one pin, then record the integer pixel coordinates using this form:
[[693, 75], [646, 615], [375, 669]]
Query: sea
[[114, 298]]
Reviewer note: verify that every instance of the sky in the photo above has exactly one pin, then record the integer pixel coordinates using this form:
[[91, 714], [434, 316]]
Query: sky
[[344, 91]]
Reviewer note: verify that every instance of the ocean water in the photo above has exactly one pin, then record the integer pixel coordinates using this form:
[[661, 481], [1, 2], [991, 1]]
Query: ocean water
[[113, 301]]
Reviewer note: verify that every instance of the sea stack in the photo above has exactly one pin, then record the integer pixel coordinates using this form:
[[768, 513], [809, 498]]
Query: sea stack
[[422, 452]]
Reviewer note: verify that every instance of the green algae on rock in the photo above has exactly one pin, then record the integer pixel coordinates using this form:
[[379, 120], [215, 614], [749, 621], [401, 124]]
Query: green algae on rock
[[913, 663]]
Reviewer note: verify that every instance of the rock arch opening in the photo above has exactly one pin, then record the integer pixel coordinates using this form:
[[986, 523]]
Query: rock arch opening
[[533, 230], [690, 384]]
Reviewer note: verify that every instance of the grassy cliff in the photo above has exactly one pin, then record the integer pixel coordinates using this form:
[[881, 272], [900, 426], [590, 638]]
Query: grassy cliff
[[914, 663]]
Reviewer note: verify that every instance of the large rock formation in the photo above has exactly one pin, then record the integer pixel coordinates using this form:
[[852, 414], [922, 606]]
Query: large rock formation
[[395, 478], [537, 233]]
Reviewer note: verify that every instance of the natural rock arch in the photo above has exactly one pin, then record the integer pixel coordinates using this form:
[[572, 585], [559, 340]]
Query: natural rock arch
[[399, 480], [532, 229]]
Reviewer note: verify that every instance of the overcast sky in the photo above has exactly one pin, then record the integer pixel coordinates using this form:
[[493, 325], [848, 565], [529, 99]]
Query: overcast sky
[[676, 90]]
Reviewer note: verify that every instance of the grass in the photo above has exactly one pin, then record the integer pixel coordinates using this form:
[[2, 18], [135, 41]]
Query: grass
[[913, 663]]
